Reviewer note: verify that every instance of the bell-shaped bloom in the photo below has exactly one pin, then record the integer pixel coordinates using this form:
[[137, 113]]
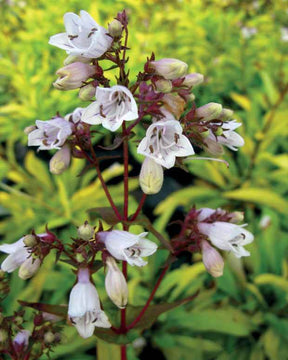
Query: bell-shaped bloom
[[83, 36], [73, 76], [151, 177], [228, 137], [115, 284], [212, 260], [84, 306], [50, 134], [169, 68], [227, 236], [164, 142], [123, 245], [60, 160], [112, 106]]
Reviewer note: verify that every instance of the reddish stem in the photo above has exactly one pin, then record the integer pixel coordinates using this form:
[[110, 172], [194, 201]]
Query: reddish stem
[[142, 312], [123, 352], [141, 203]]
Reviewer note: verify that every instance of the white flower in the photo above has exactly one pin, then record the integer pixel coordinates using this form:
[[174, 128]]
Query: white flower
[[50, 134], [22, 338], [115, 284], [229, 137], [84, 306], [19, 256], [75, 116], [212, 260], [151, 177], [123, 245], [164, 142], [227, 236], [112, 106], [83, 36], [284, 34]]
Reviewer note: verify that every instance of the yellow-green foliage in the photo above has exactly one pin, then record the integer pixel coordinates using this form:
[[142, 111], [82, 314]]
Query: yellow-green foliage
[[244, 316]]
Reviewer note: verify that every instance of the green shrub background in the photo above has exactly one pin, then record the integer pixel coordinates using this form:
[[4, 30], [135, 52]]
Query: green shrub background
[[242, 315]]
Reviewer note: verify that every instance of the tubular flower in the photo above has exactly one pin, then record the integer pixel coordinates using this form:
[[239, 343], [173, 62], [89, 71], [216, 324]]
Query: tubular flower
[[50, 134], [83, 36], [84, 306], [227, 236], [112, 106], [164, 142], [228, 138], [115, 284], [21, 339], [73, 76], [123, 245]]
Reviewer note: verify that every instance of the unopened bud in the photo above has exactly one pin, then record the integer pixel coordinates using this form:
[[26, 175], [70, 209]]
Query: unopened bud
[[30, 240], [60, 160], [170, 69], [265, 222], [18, 320], [164, 86], [86, 231], [87, 92], [193, 79], [115, 28], [226, 114], [115, 284], [236, 217], [22, 338], [49, 337], [3, 336], [76, 58], [212, 260], [209, 111], [29, 129], [73, 75], [151, 177], [174, 103], [190, 97], [28, 268]]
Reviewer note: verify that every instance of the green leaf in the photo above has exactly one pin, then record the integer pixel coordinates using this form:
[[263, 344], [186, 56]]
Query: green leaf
[[106, 351], [59, 310], [259, 196]]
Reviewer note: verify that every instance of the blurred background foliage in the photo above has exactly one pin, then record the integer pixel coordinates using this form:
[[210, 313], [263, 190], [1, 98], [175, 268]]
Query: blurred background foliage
[[241, 48]]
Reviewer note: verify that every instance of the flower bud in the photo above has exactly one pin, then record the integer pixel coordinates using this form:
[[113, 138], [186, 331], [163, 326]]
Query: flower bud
[[219, 131], [60, 160], [73, 75], [226, 114], [87, 92], [170, 69], [174, 103], [209, 111], [115, 28], [151, 177], [212, 260], [29, 268], [49, 337], [22, 339], [86, 231], [193, 79], [265, 222], [236, 217], [30, 240], [115, 284], [18, 320], [164, 86], [76, 58], [3, 336], [29, 129]]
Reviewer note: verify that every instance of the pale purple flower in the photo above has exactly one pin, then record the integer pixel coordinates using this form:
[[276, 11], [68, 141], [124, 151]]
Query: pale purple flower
[[83, 36], [22, 338], [164, 142], [123, 245], [50, 134], [112, 106], [227, 236], [84, 308]]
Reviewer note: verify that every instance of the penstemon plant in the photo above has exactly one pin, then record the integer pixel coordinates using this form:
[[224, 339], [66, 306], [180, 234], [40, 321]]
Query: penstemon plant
[[161, 102]]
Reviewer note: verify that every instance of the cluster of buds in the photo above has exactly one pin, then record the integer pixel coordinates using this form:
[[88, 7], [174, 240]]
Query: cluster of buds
[[20, 343], [206, 229]]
